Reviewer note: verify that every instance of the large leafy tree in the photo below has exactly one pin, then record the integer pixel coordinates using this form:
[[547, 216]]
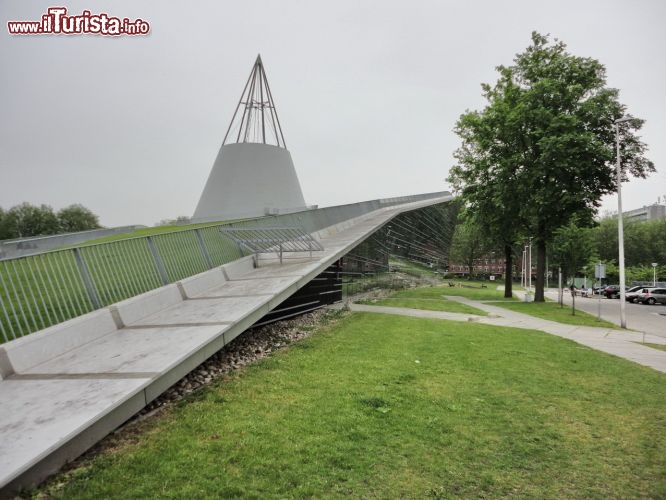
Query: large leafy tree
[[25, 220], [543, 149], [488, 172], [77, 218], [29, 220], [491, 193]]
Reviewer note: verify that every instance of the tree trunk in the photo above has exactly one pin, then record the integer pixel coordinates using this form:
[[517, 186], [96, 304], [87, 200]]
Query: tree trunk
[[508, 272], [540, 274], [470, 265]]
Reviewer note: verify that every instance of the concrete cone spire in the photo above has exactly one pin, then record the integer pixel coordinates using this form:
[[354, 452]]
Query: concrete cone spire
[[253, 173]]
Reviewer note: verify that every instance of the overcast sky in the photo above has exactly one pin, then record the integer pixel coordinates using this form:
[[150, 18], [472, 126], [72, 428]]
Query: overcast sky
[[367, 92]]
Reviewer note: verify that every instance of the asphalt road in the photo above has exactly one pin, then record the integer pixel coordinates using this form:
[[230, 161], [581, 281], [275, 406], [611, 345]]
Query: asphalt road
[[643, 318]]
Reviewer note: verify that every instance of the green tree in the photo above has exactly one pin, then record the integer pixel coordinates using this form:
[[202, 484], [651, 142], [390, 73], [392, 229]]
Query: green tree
[[548, 135], [26, 220], [605, 238], [644, 243], [490, 191], [658, 239], [468, 244], [488, 174], [77, 218], [572, 249], [638, 249], [6, 231]]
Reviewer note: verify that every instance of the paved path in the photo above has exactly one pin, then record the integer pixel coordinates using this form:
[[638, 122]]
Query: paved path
[[621, 343]]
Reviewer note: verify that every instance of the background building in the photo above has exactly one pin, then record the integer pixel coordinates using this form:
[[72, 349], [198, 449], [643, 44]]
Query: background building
[[646, 213], [484, 267]]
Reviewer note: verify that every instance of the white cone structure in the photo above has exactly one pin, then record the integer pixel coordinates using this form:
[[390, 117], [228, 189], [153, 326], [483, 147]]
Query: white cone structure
[[250, 180], [251, 177]]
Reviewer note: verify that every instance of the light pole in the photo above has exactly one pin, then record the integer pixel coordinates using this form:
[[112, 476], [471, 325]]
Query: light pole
[[654, 274], [530, 266], [620, 222]]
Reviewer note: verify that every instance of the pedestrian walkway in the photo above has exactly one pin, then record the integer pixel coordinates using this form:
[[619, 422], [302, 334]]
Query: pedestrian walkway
[[621, 343], [64, 388]]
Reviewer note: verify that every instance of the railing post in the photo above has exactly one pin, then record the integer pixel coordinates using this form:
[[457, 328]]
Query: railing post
[[82, 265], [159, 263], [204, 250]]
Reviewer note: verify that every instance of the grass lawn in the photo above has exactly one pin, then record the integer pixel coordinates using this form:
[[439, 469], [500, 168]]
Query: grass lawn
[[473, 291], [380, 406], [552, 311], [151, 231], [441, 304], [436, 292]]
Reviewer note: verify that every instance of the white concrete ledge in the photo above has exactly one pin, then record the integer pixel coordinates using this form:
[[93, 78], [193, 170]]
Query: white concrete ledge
[[197, 285], [32, 350], [237, 268], [132, 310]]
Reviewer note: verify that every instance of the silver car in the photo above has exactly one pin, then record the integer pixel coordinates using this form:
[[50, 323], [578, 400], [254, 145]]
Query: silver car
[[652, 296], [632, 294]]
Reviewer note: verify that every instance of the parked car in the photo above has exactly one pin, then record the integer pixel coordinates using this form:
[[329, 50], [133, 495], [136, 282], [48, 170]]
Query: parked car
[[612, 291], [653, 296], [631, 295]]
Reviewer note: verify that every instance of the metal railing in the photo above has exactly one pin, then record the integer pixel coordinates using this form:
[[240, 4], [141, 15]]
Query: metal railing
[[41, 290], [278, 240], [20, 247]]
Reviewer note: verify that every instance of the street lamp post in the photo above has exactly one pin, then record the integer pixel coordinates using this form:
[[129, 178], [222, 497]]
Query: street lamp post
[[620, 222], [529, 270], [654, 274]]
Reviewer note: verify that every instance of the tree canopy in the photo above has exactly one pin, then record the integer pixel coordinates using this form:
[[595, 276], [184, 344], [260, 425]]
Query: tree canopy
[[25, 220], [29, 220], [468, 243], [77, 218], [577, 249], [543, 149], [573, 248]]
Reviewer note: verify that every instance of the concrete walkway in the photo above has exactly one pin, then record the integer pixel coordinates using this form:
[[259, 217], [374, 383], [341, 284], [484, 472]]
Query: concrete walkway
[[621, 343], [64, 388]]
